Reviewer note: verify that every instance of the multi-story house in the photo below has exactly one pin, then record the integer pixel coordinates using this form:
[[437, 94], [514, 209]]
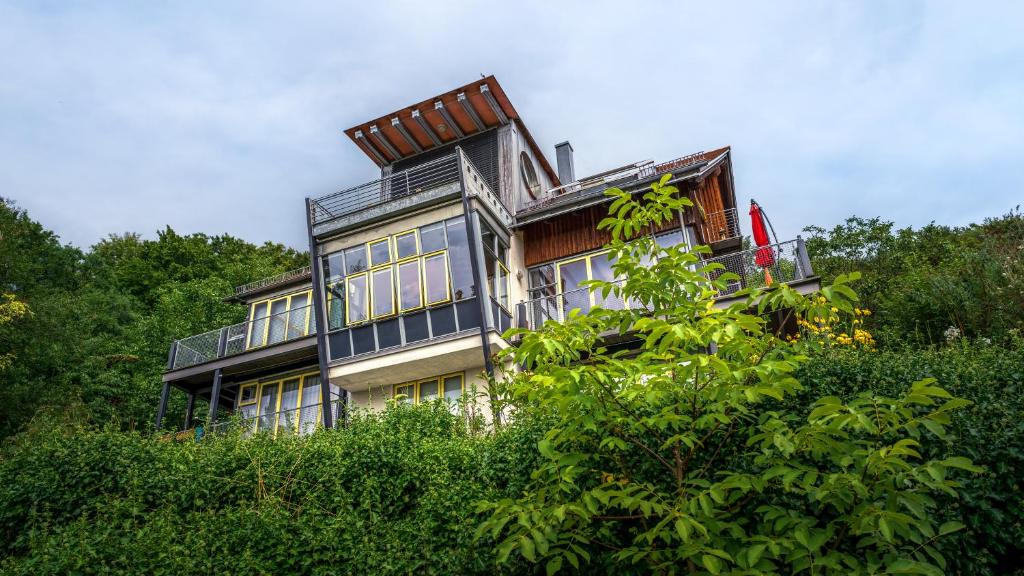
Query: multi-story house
[[414, 277]]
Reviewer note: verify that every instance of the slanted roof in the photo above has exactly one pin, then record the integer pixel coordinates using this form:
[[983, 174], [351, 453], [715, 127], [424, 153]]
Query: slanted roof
[[590, 190], [459, 113]]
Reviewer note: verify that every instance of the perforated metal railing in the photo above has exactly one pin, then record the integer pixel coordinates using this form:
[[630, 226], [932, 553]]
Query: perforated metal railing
[[722, 225], [426, 176], [780, 263], [264, 282], [244, 336]]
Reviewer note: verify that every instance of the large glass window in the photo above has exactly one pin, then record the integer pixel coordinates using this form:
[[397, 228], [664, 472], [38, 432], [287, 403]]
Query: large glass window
[[284, 406], [280, 319], [495, 261], [398, 273]]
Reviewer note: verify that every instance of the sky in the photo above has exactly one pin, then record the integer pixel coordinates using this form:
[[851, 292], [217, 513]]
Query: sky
[[220, 117]]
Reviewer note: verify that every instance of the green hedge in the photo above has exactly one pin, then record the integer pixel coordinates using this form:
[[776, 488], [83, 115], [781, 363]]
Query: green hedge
[[395, 493], [991, 433]]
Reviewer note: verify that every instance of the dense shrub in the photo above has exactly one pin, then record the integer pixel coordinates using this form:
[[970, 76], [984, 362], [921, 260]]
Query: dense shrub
[[392, 494], [990, 432]]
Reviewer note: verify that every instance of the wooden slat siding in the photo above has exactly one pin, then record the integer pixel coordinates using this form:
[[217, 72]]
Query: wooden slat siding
[[570, 234], [709, 196]]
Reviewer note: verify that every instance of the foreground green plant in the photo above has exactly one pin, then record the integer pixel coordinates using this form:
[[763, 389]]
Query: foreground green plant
[[662, 457]]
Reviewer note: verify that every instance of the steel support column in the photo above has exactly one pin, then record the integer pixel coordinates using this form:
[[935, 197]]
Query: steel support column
[[189, 410], [320, 317], [476, 263], [161, 411], [222, 343]]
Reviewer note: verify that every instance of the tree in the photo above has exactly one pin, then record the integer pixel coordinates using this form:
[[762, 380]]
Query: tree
[[666, 458]]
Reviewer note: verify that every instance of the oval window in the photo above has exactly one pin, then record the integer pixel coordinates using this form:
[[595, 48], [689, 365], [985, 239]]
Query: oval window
[[529, 173]]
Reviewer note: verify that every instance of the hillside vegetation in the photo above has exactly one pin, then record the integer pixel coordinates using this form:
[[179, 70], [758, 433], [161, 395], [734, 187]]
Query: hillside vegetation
[[86, 488]]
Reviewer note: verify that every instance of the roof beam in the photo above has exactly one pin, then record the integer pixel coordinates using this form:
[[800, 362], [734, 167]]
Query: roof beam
[[397, 125], [426, 127], [366, 145], [439, 106], [468, 108], [486, 91], [379, 138]]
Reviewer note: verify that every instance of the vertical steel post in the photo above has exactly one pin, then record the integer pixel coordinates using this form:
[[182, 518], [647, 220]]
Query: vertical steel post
[[319, 314], [189, 410], [222, 343], [161, 411], [476, 262], [803, 258]]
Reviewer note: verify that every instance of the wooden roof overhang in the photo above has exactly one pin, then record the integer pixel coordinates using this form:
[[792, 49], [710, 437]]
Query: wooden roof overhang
[[435, 122]]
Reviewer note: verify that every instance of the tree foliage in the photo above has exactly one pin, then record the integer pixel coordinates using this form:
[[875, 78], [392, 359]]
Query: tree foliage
[[920, 283], [101, 321], [662, 457]]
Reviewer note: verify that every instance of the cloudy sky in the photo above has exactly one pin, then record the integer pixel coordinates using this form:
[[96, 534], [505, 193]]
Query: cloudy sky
[[222, 116]]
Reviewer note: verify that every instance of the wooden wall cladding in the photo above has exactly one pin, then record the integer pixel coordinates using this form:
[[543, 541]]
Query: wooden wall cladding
[[569, 234]]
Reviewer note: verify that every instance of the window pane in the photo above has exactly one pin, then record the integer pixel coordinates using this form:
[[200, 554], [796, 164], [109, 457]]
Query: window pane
[[355, 259], [278, 320], [405, 245], [409, 293], [669, 239], [258, 325], [428, 390], [268, 408], [358, 311], [383, 300], [435, 270], [404, 394], [308, 415], [333, 264], [380, 252], [298, 316], [453, 388], [247, 394], [570, 275], [487, 236], [458, 253], [501, 286], [335, 306], [601, 269], [288, 418], [432, 237]]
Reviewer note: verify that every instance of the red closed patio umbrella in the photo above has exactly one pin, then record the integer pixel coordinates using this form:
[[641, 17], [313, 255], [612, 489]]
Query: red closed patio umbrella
[[765, 255]]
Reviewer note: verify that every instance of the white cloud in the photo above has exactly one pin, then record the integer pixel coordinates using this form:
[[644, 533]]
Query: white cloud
[[222, 117]]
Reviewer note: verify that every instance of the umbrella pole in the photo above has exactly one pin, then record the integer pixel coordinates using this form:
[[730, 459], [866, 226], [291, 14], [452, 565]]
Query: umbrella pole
[[768, 220]]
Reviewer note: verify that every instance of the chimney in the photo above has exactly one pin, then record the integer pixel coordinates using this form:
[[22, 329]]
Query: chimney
[[563, 159]]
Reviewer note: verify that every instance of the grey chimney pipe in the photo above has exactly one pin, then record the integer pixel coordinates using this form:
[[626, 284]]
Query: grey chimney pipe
[[563, 159]]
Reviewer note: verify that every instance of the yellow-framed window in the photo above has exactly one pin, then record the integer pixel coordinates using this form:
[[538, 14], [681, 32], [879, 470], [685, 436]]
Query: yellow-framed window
[[382, 292], [569, 274], [410, 285], [407, 245], [357, 298], [405, 393], [453, 386], [247, 396], [257, 324], [380, 252], [335, 305], [310, 403], [436, 281], [427, 390]]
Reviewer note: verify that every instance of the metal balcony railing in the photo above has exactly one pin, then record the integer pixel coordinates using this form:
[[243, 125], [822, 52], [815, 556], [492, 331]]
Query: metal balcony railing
[[283, 277], [622, 176], [426, 176], [780, 263], [291, 422], [242, 337], [718, 226]]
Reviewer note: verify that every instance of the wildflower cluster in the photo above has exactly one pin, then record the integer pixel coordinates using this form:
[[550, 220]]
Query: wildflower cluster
[[827, 328]]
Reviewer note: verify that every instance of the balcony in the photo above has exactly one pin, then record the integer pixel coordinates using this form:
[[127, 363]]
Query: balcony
[[248, 336], [790, 265], [428, 183], [721, 230]]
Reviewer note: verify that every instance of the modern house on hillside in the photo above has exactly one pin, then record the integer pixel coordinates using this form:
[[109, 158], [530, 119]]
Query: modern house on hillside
[[415, 276]]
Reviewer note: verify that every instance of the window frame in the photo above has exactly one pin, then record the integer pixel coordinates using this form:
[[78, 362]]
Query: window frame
[[373, 300], [416, 239], [420, 276], [447, 277], [269, 302], [369, 253], [348, 301]]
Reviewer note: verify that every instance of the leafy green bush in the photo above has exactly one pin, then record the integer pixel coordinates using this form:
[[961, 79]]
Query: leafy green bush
[[392, 494], [990, 432]]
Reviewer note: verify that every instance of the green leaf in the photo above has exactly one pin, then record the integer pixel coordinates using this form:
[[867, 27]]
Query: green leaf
[[950, 527], [712, 563]]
